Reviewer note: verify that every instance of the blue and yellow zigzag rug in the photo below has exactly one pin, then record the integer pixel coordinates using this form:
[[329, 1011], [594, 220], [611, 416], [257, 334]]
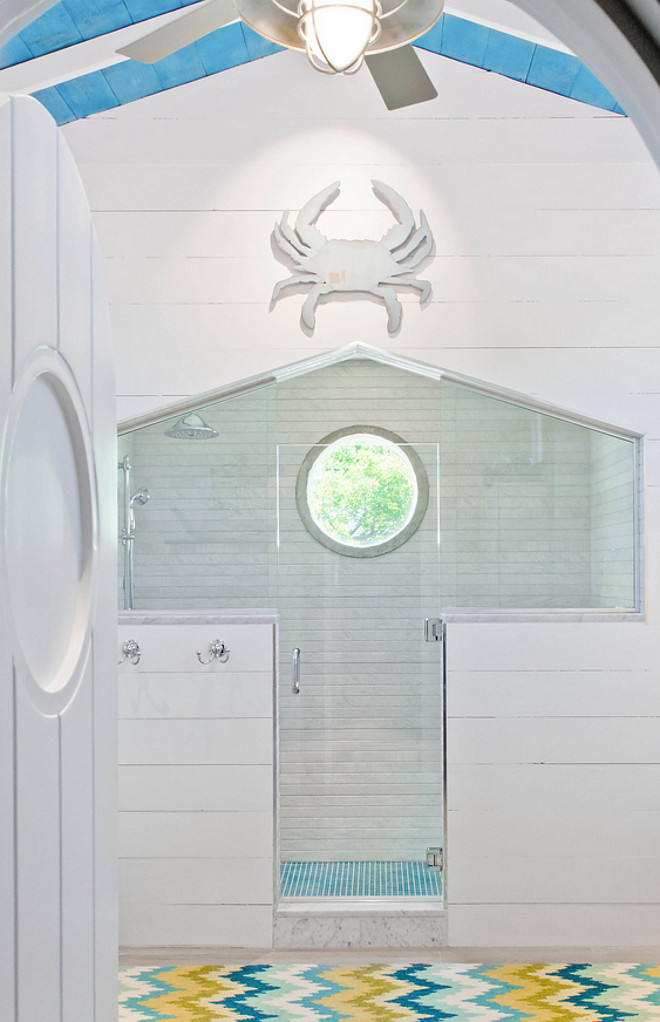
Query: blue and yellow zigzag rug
[[391, 993]]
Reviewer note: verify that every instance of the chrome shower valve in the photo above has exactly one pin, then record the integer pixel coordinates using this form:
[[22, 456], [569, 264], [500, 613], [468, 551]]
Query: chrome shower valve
[[132, 652], [217, 650]]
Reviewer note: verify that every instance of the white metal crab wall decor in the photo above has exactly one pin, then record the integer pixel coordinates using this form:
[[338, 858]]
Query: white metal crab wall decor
[[375, 267]]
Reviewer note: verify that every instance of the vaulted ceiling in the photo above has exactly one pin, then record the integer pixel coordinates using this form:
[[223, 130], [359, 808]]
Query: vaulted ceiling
[[67, 57]]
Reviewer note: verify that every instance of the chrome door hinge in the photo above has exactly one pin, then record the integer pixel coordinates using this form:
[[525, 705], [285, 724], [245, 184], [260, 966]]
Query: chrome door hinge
[[433, 629], [434, 858]]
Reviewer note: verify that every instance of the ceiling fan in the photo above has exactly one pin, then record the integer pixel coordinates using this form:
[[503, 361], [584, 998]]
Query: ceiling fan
[[336, 35]]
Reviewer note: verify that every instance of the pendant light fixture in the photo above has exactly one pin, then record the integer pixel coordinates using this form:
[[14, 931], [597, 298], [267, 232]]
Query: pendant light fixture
[[336, 33]]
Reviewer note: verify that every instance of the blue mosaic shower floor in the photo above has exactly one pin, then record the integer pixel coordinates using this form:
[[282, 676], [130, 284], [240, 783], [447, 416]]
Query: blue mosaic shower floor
[[359, 880]]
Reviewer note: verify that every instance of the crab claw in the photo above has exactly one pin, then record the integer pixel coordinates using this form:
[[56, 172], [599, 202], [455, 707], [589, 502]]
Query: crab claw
[[310, 213], [398, 235]]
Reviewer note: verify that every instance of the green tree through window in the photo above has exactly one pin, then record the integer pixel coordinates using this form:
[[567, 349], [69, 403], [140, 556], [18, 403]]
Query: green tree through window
[[362, 490]]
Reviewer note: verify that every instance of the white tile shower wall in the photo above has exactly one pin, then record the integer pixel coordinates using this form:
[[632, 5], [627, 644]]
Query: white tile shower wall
[[196, 786], [613, 512]]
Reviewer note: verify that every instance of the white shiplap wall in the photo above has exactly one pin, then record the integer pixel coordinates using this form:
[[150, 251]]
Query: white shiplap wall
[[546, 216], [196, 785]]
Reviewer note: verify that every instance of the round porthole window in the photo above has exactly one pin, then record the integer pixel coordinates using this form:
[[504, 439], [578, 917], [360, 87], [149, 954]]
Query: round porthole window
[[362, 491]]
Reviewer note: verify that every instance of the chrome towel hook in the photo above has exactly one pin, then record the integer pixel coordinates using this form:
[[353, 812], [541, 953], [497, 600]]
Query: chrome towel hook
[[132, 652], [217, 650]]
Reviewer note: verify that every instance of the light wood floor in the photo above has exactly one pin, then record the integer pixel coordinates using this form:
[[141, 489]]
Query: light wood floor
[[154, 956]]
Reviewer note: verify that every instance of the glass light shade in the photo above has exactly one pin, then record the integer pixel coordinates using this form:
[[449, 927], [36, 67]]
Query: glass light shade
[[337, 32]]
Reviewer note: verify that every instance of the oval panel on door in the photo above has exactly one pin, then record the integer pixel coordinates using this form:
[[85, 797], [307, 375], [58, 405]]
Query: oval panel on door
[[49, 526]]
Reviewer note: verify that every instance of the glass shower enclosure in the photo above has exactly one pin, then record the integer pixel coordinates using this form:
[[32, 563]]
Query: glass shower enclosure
[[361, 743]]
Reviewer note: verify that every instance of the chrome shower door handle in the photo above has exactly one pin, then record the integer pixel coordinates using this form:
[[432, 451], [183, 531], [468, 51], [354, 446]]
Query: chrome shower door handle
[[295, 671]]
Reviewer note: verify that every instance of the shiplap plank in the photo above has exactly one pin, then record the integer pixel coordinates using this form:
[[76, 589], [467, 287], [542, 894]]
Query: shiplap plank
[[162, 881], [542, 693], [539, 832], [197, 925], [178, 789], [231, 280], [222, 835], [551, 925], [554, 740], [174, 649], [35, 236], [605, 787], [179, 696], [199, 741], [504, 140], [477, 879]]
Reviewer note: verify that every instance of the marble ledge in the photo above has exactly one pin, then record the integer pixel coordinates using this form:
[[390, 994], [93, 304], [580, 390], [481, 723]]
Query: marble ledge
[[391, 931], [518, 617], [259, 616], [349, 907]]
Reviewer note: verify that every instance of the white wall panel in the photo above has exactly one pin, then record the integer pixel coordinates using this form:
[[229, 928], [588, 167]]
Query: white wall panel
[[154, 834], [200, 788], [74, 281], [551, 925], [506, 880], [105, 693], [558, 647], [210, 881], [35, 235], [172, 649], [538, 833], [161, 696], [7, 825], [509, 277], [196, 741], [196, 785], [197, 925], [110, 140], [39, 919], [516, 787], [553, 779], [589, 739], [550, 693], [77, 801]]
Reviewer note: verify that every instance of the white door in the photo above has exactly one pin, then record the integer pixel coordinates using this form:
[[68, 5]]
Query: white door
[[57, 640]]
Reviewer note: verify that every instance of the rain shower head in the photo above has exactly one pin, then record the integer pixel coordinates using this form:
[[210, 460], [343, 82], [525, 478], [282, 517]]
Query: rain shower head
[[191, 427]]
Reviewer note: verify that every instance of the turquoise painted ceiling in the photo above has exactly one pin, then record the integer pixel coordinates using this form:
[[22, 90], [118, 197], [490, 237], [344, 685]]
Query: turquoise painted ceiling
[[71, 22]]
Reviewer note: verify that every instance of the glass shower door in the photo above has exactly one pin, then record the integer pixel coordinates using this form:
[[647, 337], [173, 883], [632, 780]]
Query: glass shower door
[[361, 731]]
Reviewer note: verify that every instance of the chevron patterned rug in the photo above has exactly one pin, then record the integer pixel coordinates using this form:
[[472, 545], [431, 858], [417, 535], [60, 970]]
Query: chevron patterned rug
[[389, 993]]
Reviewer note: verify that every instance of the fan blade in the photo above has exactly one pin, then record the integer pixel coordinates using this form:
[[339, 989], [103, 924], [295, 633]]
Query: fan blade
[[187, 29], [400, 77]]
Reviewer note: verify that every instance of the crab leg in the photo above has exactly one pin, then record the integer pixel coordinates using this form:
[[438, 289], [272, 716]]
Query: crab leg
[[289, 282], [420, 285], [398, 235], [291, 236], [393, 306], [286, 245], [308, 312], [419, 245], [310, 213]]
